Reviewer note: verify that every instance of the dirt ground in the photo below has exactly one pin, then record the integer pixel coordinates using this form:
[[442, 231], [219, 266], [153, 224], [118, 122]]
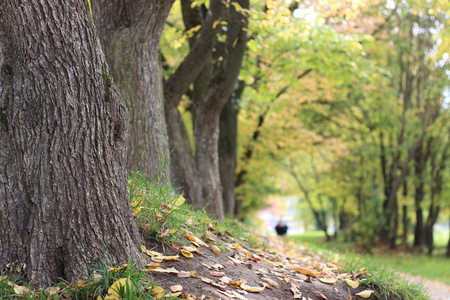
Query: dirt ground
[[243, 273]]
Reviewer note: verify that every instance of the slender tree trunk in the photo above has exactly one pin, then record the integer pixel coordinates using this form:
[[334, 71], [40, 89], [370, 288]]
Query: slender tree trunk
[[419, 195], [405, 225], [227, 154], [63, 191], [130, 32], [228, 148]]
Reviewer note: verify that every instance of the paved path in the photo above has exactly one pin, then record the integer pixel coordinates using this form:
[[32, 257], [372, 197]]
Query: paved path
[[437, 289]]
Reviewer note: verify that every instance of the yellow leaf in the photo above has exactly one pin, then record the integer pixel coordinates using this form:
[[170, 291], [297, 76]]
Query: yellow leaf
[[273, 262], [3, 277], [154, 253], [180, 199], [351, 283], [328, 280], [176, 288], [136, 210], [116, 287], [161, 258], [189, 248], [186, 253], [215, 249], [252, 289], [365, 294], [240, 249], [157, 292], [136, 203], [306, 271], [122, 267]]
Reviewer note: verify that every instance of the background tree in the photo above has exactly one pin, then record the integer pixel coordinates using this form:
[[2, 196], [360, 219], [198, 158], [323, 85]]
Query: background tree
[[212, 65], [130, 32], [63, 132]]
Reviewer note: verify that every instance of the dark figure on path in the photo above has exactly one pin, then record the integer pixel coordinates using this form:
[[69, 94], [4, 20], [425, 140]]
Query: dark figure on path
[[281, 228]]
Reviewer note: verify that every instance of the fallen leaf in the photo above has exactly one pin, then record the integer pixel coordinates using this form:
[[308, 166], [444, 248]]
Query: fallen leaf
[[193, 274], [122, 267], [168, 271], [152, 265], [271, 282], [328, 280], [157, 292], [21, 290], [189, 248], [225, 279], [180, 200], [335, 288], [306, 271], [165, 233], [239, 296], [176, 288], [217, 267], [52, 290], [3, 277], [186, 253], [252, 289], [240, 249], [296, 291], [365, 294], [320, 295], [215, 249], [351, 283], [116, 287], [217, 274], [153, 253], [236, 261], [166, 258], [184, 274], [207, 280], [194, 239], [175, 245]]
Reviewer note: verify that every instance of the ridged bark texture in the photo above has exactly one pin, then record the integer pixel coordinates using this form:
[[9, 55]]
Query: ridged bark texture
[[63, 191], [130, 32]]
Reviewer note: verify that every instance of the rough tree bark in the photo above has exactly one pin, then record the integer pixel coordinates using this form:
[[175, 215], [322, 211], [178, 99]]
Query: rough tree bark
[[130, 32], [63, 192]]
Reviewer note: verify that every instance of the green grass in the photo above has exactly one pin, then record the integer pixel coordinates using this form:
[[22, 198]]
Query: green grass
[[436, 267]]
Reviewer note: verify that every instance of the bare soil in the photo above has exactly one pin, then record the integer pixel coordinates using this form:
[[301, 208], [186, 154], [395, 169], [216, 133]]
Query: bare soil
[[277, 265]]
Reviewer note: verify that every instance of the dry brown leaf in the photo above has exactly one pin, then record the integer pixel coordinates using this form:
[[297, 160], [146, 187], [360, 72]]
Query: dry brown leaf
[[217, 274], [239, 296], [215, 249], [320, 295], [21, 290], [296, 291], [165, 233], [217, 267], [306, 271], [365, 294], [271, 282], [207, 280], [266, 285], [236, 261], [154, 253], [225, 279], [175, 245], [252, 289], [52, 290], [194, 239], [176, 288], [184, 274]]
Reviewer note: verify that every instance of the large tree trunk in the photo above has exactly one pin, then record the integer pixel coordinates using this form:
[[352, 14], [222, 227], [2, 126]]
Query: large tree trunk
[[63, 192], [130, 32], [419, 164]]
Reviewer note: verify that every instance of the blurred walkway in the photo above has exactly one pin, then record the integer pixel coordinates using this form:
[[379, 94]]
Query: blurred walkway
[[437, 289]]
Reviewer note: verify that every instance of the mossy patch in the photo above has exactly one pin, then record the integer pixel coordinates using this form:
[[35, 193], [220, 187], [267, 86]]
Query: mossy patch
[[107, 82]]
